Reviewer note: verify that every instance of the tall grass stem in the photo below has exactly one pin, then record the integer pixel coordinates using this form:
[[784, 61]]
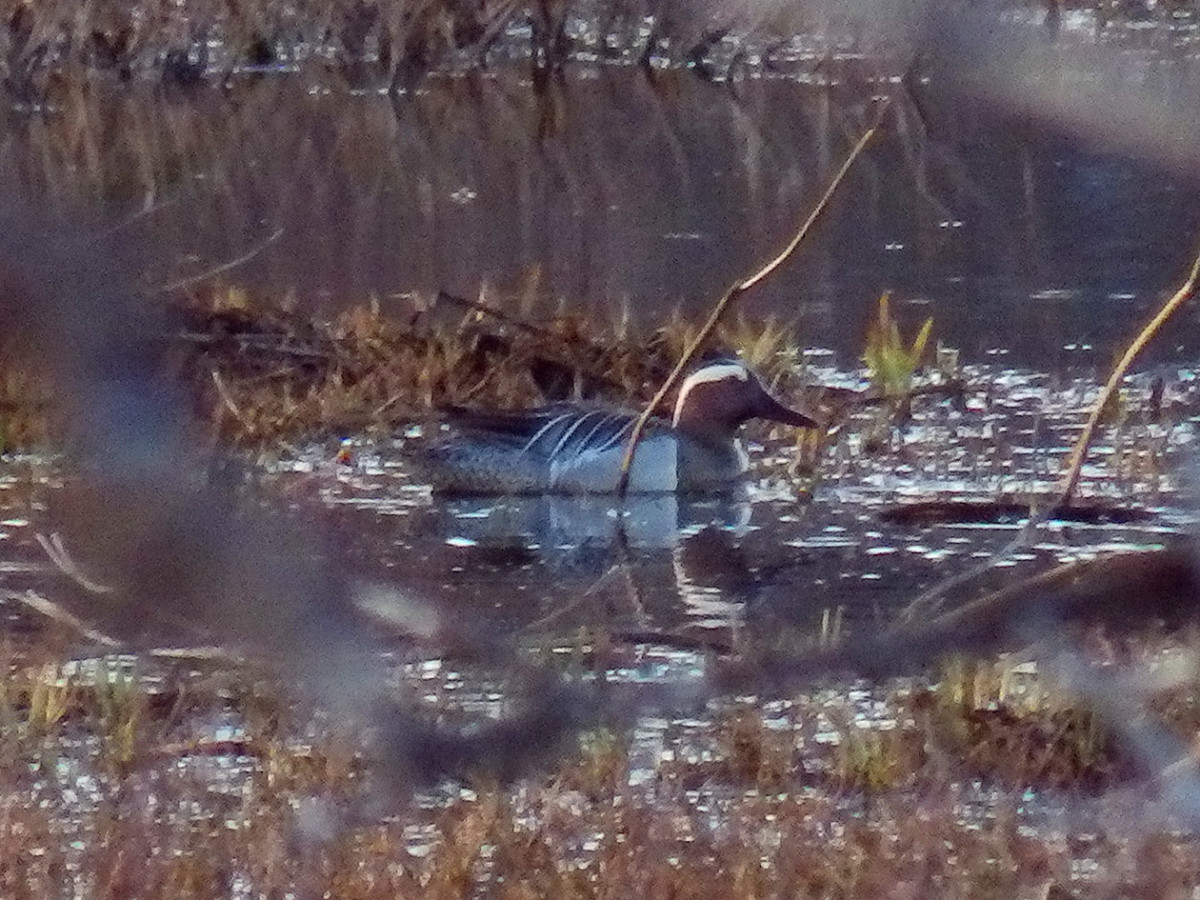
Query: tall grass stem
[[736, 291]]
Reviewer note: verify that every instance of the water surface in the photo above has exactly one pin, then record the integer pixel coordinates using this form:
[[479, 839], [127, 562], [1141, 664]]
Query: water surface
[[612, 191]]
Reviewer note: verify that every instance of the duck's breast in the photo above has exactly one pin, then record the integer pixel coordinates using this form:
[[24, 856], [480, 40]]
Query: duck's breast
[[711, 467]]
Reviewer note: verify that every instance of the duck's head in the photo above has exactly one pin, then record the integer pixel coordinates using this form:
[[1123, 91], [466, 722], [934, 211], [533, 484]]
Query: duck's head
[[723, 393]]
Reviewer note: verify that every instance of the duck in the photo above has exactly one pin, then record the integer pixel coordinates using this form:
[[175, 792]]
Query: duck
[[570, 448]]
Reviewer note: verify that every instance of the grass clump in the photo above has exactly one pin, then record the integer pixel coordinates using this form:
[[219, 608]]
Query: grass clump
[[754, 754], [891, 363], [262, 375], [750, 818], [602, 766], [47, 699], [28, 416]]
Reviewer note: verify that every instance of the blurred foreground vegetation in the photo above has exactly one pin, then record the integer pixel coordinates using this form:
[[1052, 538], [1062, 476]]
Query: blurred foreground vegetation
[[986, 783]]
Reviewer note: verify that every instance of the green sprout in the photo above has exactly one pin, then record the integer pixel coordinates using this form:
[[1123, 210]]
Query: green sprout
[[890, 364]]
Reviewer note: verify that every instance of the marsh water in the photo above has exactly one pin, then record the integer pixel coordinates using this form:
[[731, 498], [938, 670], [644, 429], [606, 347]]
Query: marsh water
[[670, 580], [813, 557], [612, 191], [1036, 248], [791, 555]]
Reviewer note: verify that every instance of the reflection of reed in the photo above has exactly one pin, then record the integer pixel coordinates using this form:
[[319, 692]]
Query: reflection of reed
[[635, 184], [620, 186], [383, 44]]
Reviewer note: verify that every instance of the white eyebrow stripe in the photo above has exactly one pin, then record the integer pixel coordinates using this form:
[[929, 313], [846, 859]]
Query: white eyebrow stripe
[[713, 372]]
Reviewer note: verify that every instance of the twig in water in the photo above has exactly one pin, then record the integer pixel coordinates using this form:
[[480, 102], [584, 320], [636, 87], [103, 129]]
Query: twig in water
[[622, 568], [56, 613], [134, 217], [1071, 479], [225, 266], [227, 400], [737, 290], [63, 561], [195, 654], [1079, 454]]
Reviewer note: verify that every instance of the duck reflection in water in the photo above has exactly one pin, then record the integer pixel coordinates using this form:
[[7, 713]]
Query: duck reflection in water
[[557, 526], [666, 549]]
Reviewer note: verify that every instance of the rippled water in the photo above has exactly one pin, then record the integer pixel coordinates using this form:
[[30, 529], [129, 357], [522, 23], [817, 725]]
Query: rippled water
[[667, 576], [792, 553], [612, 190], [806, 554]]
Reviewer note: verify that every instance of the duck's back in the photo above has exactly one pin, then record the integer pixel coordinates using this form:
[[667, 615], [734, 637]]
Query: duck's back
[[555, 449]]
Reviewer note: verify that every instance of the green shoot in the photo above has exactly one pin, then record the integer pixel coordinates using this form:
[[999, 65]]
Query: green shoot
[[890, 364]]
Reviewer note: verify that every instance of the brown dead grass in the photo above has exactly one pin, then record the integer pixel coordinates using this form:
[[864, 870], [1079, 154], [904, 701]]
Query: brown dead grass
[[27, 410], [262, 375], [892, 818]]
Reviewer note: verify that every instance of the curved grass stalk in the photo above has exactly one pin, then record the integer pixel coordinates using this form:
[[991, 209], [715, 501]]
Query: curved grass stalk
[[1079, 453], [736, 291]]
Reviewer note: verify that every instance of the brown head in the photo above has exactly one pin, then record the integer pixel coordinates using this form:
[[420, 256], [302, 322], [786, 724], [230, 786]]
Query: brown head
[[721, 395]]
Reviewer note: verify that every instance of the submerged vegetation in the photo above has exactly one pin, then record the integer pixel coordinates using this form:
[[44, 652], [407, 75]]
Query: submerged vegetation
[[391, 45], [378, 44]]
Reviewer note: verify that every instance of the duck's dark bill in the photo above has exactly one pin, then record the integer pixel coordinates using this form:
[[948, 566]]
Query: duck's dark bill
[[770, 408]]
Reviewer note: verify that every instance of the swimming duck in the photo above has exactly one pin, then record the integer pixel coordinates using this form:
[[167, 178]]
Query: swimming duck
[[569, 448]]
